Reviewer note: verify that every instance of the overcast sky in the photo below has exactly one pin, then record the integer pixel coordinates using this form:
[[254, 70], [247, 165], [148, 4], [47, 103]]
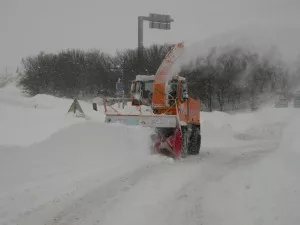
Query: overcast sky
[[31, 26]]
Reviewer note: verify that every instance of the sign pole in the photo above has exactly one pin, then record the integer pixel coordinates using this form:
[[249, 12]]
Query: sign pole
[[156, 21]]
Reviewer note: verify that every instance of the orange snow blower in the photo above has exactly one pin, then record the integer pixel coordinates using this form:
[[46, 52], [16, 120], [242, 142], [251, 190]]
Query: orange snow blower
[[162, 102]]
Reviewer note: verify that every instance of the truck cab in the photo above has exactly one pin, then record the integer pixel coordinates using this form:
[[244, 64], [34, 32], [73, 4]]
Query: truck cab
[[142, 90]]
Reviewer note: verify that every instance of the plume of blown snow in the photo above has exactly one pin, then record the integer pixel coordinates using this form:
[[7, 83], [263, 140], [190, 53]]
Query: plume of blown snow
[[274, 43]]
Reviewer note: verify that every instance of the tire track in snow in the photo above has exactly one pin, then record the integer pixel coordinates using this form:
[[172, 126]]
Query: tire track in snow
[[105, 197], [186, 206], [99, 198], [172, 195], [89, 197]]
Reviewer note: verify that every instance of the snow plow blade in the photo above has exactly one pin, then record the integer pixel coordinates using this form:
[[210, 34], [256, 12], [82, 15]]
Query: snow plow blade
[[166, 138], [153, 121]]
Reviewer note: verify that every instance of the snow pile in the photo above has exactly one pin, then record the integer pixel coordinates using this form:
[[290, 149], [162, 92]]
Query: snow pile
[[66, 161], [48, 156], [265, 187], [25, 120], [59, 169], [220, 128]]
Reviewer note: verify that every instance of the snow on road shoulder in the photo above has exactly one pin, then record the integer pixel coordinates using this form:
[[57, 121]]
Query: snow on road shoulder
[[264, 187], [25, 121], [220, 129], [65, 157], [82, 155]]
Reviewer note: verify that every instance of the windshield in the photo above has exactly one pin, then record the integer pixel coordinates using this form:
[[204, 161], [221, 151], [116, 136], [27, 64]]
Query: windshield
[[144, 86], [148, 86]]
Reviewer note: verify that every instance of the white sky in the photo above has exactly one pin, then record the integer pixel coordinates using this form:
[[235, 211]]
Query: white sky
[[31, 26]]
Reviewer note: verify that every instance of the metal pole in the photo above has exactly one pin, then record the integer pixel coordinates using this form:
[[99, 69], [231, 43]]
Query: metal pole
[[122, 74], [140, 31], [164, 23], [140, 43]]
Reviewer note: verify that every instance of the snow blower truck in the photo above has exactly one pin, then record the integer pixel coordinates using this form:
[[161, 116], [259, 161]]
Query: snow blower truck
[[162, 103]]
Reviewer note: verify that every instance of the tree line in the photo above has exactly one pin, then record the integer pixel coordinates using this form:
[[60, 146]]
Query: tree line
[[228, 78], [235, 78]]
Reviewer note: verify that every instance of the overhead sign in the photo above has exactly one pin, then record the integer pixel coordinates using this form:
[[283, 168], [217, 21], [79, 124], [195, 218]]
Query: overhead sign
[[158, 25], [160, 21], [160, 18]]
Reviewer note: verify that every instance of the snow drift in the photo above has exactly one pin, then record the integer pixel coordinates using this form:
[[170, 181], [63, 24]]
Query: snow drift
[[223, 129], [59, 169], [25, 120], [50, 170]]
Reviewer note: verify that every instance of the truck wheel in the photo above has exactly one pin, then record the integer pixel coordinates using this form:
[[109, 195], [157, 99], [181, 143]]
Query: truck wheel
[[195, 141]]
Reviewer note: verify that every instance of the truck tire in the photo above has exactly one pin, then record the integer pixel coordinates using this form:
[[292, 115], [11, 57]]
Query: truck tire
[[195, 141]]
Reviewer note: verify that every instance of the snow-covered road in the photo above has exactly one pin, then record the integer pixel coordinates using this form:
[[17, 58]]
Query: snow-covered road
[[87, 172]]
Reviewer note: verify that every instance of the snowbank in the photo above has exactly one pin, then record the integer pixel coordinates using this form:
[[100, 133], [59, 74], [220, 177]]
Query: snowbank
[[25, 120], [45, 115], [223, 129], [42, 147], [49, 159], [53, 170], [265, 188]]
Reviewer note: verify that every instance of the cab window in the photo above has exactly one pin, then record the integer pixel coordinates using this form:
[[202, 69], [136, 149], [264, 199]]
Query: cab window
[[184, 91]]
